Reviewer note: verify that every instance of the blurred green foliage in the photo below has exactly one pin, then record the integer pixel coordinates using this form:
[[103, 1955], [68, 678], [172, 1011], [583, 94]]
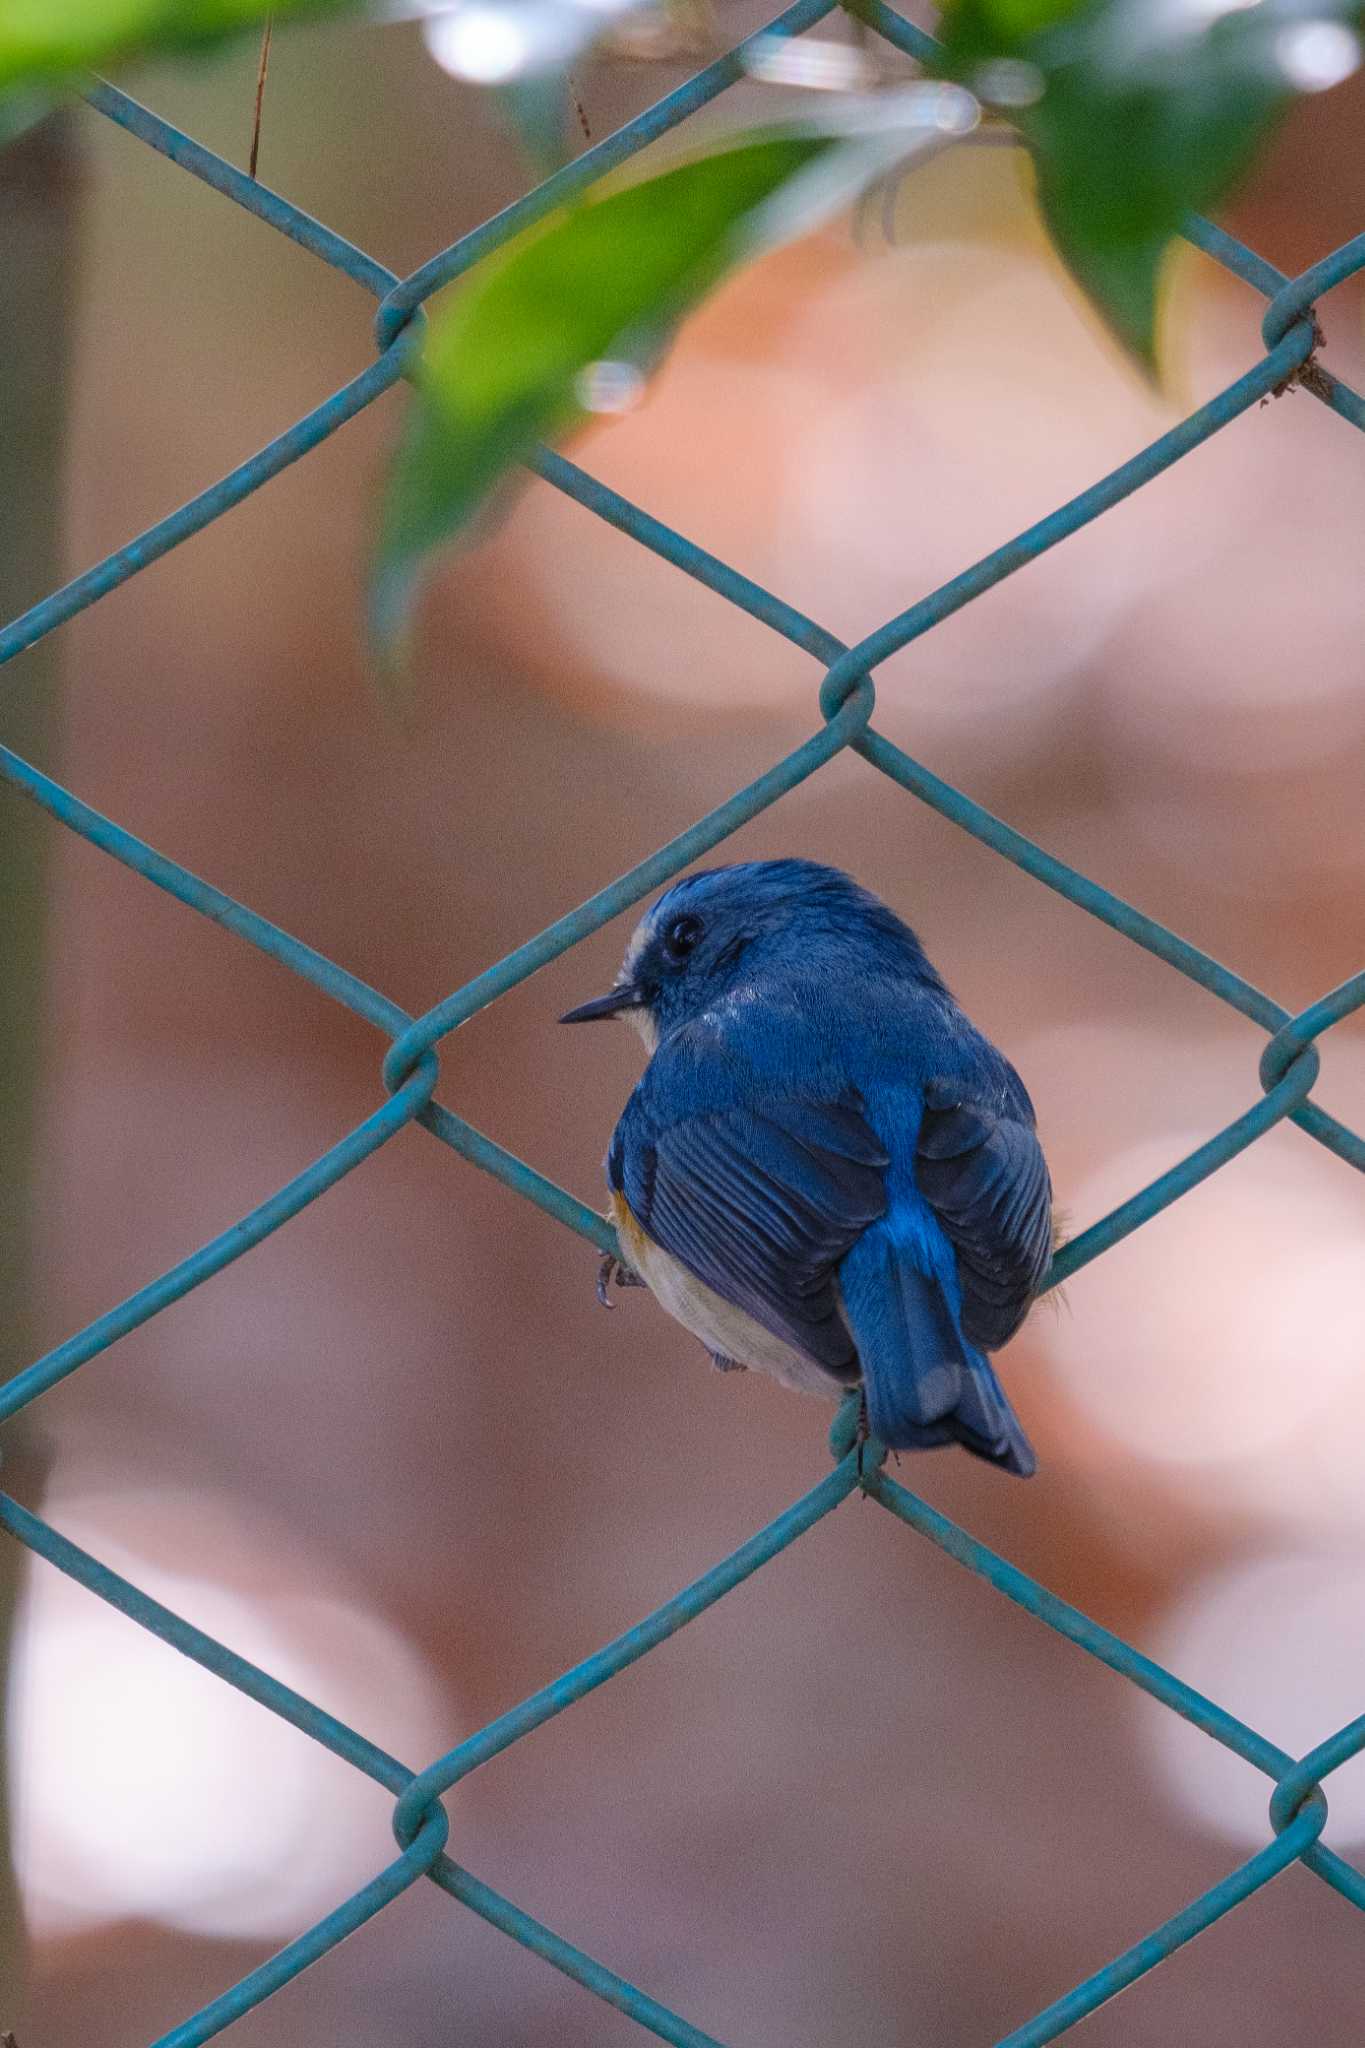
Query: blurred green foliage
[[607, 279], [1136, 112], [1139, 112], [47, 43]]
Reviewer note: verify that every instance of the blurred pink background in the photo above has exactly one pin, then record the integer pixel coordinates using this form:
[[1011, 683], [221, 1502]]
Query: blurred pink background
[[397, 1454]]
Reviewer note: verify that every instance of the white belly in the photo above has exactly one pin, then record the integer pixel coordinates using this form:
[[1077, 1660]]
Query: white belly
[[721, 1326]]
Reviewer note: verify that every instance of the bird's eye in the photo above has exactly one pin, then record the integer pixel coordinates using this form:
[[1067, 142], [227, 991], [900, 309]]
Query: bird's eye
[[682, 936]]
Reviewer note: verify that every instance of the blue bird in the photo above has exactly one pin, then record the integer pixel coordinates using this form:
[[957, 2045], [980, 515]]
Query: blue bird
[[825, 1171]]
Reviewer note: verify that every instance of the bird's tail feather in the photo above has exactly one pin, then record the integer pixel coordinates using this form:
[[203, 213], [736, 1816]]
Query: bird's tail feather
[[926, 1385]]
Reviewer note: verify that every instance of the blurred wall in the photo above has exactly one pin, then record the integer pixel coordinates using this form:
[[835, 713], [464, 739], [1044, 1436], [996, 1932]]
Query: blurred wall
[[399, 1446]]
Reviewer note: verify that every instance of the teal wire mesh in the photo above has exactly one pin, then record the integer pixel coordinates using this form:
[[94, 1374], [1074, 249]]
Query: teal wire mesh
[[1288, 1072]]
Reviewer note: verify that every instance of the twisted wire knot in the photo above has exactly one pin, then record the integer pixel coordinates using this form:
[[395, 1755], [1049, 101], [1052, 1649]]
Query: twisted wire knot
[[1297, 298], [1296, 1791], [397, 324], [417, 1810], [1297, 1036], [1288, 309], [412, 1050], [1290, 1058], [1300, 1786], [848, 691]]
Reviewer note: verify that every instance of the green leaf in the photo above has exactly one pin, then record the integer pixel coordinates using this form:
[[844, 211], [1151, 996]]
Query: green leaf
[[1121, 276], [995, 27], [1141, 112], [43, 42], [605, 281]]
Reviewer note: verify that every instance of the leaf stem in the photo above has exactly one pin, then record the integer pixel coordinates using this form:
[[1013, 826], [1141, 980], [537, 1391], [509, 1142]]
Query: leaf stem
[[262, 69]]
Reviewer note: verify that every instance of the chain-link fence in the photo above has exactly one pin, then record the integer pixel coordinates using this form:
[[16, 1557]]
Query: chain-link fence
[[1288, 1068]]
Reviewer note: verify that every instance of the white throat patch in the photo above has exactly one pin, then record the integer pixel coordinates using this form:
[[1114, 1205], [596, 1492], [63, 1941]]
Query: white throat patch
[[641, 1019]]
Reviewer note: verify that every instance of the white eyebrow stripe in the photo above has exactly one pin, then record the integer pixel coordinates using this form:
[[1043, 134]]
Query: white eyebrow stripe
[[639, 939]]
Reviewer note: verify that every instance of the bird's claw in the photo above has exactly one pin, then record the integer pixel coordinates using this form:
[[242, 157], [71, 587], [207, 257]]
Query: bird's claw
[[612, 1268]]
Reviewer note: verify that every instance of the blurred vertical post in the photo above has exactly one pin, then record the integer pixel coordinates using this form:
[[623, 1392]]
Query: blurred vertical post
[[38, 180]]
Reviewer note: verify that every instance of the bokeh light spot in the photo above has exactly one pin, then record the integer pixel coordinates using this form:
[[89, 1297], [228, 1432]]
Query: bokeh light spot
[[1228, 1325], [148, 1788], [1278, 1641]]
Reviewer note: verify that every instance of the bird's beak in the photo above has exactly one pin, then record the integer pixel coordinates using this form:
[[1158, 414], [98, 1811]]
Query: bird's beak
[[625, 996]]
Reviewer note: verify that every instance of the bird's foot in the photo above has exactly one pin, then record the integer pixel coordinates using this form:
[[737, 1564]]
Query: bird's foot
[[863, 1431], [862, 1437], [612, 1268]]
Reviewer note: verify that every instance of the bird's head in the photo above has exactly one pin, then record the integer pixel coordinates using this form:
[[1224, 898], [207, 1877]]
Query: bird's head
[[715, 933]]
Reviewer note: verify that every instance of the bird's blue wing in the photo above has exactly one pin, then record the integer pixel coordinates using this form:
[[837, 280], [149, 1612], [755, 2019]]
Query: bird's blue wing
[[760, 1204], [982, 1172]]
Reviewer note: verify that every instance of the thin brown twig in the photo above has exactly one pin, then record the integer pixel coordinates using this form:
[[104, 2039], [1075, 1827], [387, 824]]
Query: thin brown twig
[[587, 137], [261, 71]]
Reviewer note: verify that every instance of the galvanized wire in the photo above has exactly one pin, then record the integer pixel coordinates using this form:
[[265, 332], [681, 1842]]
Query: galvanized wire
[[1287, 1075]]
